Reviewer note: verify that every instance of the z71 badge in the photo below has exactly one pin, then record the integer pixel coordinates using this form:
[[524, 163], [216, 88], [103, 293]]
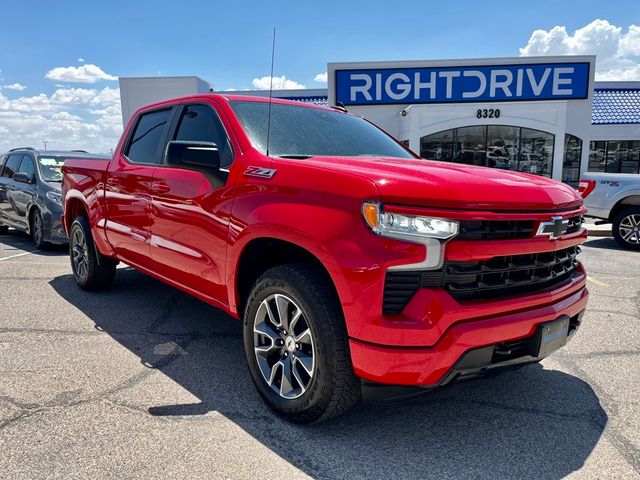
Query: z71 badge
[[260, 172]]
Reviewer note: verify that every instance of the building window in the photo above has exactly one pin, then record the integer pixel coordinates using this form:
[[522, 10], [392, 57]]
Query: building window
[[614, 156], [571, 160], [497, 146], [438, 146]]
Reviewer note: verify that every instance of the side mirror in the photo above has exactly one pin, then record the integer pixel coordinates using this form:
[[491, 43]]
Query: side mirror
[[202, 155], [21, 177]]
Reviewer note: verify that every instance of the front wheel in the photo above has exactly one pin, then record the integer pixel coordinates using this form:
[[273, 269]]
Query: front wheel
[[297, 347], [91, 270], [37, 230], [626, 228]]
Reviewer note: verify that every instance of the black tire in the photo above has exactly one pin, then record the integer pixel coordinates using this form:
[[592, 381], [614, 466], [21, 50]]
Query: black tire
[[4, 229], [36, 226], [623, 225], [91, 270], [333, 388]]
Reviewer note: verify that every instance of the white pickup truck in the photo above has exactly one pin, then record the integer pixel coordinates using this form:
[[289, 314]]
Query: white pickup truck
[[614, 198]]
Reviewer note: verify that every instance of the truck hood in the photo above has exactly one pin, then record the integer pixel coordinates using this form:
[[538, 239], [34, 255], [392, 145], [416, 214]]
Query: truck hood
[[448, 185]]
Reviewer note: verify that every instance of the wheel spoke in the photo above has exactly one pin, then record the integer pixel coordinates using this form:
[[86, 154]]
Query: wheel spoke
[[286, 382], [274, 371], [282, 304], [306, 362], [304, 337], [627, 236], [299, 380], [294, 319]]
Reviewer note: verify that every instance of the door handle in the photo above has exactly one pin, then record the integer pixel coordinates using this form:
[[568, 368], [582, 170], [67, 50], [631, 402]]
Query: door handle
[[160, 187]]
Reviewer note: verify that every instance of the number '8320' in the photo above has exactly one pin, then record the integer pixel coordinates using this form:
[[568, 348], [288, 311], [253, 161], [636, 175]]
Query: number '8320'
[[488, 113]]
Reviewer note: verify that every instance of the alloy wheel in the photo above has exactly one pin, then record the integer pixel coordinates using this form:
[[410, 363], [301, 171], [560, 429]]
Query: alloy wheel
[[37, 228], [80, 253], [630, 229], [284, 346]]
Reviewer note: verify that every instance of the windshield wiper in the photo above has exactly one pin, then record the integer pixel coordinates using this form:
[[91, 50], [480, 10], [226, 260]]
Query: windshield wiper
[[295, 156]]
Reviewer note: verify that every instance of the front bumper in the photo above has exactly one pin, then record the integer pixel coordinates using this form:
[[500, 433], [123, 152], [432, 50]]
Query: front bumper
[[53, 226], [434, 365]]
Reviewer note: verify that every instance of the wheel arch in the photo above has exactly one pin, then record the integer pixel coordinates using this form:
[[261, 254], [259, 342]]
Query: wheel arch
[[628, 201], [262, 253]]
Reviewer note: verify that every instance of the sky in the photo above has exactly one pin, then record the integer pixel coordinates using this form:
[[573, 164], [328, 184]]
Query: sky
[[59, 64]]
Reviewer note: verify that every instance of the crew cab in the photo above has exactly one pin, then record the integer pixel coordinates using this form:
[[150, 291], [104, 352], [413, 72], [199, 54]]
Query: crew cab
[[356, 267], [614, 198]]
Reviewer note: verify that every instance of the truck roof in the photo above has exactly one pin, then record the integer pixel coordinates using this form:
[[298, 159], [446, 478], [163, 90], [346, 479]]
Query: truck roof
[[243, 98]]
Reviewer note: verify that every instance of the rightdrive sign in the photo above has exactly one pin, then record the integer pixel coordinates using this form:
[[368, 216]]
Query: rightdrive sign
[[500, 83]]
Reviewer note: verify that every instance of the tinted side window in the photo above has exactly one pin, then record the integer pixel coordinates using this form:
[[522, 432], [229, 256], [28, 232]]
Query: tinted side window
[[27, 166], [11, 167], [200, 123], [144, 146]]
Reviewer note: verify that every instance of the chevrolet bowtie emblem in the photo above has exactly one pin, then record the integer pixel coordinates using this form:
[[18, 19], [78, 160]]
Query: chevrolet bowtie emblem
[[555, 228]]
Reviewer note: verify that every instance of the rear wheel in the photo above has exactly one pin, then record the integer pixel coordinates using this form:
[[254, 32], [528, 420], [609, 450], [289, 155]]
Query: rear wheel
[[91, 269], [297, 347], [37, 229], [626, 228]]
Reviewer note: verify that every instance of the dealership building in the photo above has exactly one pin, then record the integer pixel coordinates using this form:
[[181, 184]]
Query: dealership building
[[542, 115]]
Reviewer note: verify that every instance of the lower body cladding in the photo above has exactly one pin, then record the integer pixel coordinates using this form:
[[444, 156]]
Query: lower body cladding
[[469, 349]]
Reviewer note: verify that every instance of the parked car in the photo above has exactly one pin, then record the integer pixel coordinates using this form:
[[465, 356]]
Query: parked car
[[532, 163], [357, 268], [614, 198], [30, 198]]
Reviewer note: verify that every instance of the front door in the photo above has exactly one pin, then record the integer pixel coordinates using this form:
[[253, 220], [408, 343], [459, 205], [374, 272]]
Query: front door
[[127, 189], [22, 195], [190, 209]]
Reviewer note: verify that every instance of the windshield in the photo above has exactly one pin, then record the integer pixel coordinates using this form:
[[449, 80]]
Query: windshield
[[50, 168], [303, 131]]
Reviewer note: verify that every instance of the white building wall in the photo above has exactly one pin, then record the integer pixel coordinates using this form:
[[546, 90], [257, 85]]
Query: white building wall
[[136, 92]]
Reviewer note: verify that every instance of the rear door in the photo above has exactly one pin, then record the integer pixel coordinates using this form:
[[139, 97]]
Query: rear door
[[128, 224], [11, 166], [191, 207]]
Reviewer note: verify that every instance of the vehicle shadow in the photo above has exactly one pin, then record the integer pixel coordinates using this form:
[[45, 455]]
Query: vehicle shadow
[[605, 243], [18, 240], [531, 423]]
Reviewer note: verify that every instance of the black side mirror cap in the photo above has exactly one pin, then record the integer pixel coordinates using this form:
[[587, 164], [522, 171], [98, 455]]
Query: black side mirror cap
[[199, 155], [21, 177]]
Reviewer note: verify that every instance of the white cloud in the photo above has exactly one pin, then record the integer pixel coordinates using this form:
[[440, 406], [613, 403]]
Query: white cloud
[[107, 96], [87, 73], [320, 78], [88, 119], [279, 83], [14, 86], [614, 48], [73, 95], [80, 60]]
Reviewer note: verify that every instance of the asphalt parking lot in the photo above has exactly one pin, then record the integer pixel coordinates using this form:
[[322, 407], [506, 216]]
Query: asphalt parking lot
[[143, 381]]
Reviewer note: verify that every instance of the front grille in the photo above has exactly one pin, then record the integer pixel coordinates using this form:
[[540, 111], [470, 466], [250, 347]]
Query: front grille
[[506, 229], [575, 224], [495, 229], [494, 278]]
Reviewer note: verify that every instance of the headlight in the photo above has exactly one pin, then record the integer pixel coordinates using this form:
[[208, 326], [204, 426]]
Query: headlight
[[396, 224], [55, 197]]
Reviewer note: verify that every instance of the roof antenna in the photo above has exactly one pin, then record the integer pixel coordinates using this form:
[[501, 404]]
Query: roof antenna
[[273, 51]]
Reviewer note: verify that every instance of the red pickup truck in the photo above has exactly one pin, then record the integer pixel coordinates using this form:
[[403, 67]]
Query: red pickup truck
[[352, 263]]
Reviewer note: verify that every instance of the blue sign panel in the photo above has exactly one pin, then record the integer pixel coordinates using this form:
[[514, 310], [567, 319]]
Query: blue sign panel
[[499, 83]]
